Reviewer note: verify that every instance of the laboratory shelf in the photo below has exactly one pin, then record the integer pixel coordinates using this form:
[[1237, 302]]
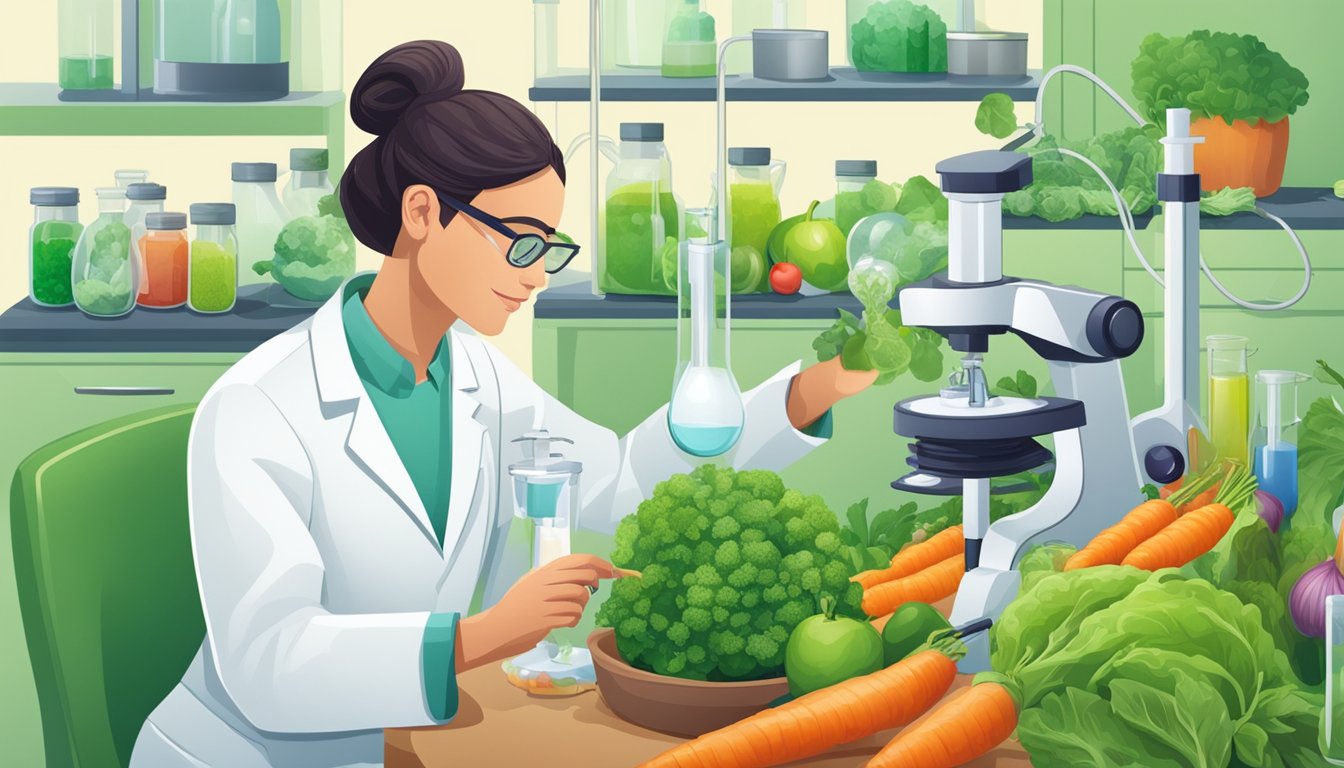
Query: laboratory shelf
[[261, 313], [844, 84], [33, 109], [577, 302], [1305, 208]]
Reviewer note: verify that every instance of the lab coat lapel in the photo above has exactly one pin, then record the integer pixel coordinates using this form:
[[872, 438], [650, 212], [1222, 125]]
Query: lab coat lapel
[[367, 441], [468, 447]]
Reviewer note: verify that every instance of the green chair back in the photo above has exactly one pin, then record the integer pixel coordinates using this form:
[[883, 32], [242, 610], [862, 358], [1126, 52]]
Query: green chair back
[[102, 558]]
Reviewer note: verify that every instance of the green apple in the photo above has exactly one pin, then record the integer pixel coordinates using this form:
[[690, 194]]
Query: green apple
[[825, 649], [817, 246]]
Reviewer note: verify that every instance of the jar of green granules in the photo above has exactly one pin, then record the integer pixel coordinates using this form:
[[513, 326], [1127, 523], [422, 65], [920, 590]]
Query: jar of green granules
[[51, 240], [213, 273]]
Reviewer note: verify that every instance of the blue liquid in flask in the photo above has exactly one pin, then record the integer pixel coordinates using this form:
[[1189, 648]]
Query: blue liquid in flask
[[542, 499], [704, 442], [1276, 472]]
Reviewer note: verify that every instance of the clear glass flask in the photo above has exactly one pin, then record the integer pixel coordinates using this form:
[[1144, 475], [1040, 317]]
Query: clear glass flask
[[261, 216], [84, 39], [641, 217], [104, 276], [1229, 397], [1276, 435], [754, 187], [690, 49], [51, 244], [309, 181], [749, 15], [706, 414], [212, 275], [1332, 716]]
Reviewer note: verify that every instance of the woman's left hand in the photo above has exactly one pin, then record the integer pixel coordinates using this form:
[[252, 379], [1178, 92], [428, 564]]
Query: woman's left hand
[[820, 387]]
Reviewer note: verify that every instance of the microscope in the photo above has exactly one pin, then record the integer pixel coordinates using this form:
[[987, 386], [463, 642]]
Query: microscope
[[965, 434]]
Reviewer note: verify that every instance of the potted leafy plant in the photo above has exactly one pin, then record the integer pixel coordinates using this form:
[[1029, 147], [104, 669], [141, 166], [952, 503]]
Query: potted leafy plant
[[1239, 93]]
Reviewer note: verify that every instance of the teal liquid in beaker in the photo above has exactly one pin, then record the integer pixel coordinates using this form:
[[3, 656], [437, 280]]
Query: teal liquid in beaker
[[542, 499], [704, 442]]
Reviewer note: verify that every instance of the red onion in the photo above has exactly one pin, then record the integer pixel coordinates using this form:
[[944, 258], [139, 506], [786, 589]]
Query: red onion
[[1270, 509], [1307, 601]]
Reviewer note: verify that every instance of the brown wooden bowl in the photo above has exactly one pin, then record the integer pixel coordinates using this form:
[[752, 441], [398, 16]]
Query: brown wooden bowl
[[670, 704]]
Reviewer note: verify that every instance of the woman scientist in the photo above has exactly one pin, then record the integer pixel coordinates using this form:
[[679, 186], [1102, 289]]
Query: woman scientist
[[349, 493]]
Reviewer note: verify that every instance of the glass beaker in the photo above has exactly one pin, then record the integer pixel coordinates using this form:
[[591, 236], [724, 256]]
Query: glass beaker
[[750, 15], [754, 212], [690, 49], [706, 415], [642, 216], [309, 181], [260, 216], [898, 36], [315, 59], [1276, 435], [639, 31], [1332, 716], [104, 276], [851, 179], [1229, 397], [51, 244], [164, 256], [212, 276], [84, 32]]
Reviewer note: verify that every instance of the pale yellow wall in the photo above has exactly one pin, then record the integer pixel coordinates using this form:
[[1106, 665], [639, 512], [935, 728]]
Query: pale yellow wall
[[494, 37]]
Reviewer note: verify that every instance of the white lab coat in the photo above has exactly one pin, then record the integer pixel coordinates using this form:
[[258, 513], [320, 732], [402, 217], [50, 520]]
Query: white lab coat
[[316, 562]]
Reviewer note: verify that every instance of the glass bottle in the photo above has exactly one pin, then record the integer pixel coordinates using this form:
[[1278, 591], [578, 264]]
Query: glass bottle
[[213, 272], [887, 36], [705, 416], [142, 199], [309, 182], [749, 15], [1332, 716], [261, 216], [85, 44], [164, 261], [125, 177], [248, 32], [104, 276], [642, 217], [851, 176], [315, 58], [754, 212], [639, 31], [1229, 398], [51, 244], [1276, 435], [690, 49]]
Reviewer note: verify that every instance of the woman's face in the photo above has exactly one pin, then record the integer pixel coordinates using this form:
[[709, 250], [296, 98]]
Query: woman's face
[[464, 266]]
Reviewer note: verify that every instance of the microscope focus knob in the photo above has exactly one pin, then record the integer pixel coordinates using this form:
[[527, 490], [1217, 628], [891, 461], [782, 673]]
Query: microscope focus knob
[[1164, 464], [1115, 327]]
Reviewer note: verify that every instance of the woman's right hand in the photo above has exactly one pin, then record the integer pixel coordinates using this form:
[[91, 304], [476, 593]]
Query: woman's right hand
[[547, 598]]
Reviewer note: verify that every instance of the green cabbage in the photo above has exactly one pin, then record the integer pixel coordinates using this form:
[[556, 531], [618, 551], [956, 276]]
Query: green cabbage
[[314, 255]]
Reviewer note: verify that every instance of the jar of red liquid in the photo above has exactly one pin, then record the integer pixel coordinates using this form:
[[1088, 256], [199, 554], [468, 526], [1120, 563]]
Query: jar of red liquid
[[165, 254]]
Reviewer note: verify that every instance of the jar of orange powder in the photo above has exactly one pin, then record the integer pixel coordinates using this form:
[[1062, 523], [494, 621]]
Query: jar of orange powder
[[165, 254]]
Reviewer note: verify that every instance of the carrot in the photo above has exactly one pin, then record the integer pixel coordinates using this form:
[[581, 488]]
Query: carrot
[[965, 726], [927, 586], [1171, 488], [805, 727], [1197, 531], [1112, 545], [1202, 500], [916, 557]]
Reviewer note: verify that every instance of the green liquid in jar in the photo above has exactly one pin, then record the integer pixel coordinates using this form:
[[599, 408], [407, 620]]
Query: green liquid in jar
[[53, 248], [85, 73], [693, 59], [635, 240], [755, 214], [213, 277]]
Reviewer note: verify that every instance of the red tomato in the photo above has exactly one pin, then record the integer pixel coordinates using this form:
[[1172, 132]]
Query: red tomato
[[786, 278]]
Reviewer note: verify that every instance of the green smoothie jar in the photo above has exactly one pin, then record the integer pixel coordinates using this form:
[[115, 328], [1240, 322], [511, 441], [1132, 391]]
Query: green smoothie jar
[[212, 275], [753, 204], [641, 216], [51, 244], [690, 49], [851, 176], [104, 276]]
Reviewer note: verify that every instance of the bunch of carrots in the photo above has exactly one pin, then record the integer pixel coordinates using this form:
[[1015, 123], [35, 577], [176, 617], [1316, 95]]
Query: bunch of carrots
[[925, 572], [1170, 532]]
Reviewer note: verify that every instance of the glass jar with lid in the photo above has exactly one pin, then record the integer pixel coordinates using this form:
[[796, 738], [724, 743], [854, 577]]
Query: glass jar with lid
[[899, 35], [754, 185], [642, 216], [690, 49], [260, 216], [104, 276], [84, 39], [164, 260], [213, 272], [309, 181], [51, 244]]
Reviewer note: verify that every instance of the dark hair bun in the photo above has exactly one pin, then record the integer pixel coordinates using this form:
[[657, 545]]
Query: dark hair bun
[[391, 85]]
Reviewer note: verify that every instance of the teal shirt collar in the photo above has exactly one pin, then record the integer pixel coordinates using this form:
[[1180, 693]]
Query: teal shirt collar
[[376, 362]]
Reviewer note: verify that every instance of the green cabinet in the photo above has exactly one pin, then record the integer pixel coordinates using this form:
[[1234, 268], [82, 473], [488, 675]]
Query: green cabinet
[[48, 396]]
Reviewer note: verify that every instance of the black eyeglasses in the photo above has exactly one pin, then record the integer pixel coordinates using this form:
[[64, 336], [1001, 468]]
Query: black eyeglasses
[[524, 249]]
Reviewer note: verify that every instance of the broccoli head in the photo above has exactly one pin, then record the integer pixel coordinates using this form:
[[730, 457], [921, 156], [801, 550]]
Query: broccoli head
[[731, 562], [313, 256]]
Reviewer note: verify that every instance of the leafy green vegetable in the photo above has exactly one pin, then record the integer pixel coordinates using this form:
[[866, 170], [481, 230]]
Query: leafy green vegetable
[[1074, 727], [996, 116], [1321, 463], [1327, 375], [1216, 74], [873, 542], [1024, 385], [313, 254], [832, 340], [330, 205], [1065, 188], [1042, 560], [899, 36], [731, 563], [922, 200], [1227, 201]]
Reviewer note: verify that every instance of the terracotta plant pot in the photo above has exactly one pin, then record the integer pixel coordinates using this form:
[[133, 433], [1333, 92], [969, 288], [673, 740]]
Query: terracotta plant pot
[[669, 704], [1241, 154]]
